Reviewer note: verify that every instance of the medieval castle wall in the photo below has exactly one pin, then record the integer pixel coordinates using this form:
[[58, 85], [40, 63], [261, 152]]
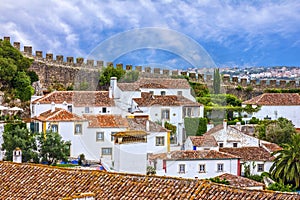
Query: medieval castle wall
[[70, 71]]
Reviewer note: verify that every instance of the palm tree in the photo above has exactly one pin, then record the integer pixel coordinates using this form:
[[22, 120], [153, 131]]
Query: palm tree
[[286, 166]]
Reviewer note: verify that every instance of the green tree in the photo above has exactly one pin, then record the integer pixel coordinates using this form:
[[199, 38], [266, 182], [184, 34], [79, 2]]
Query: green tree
[[195, 126], [109, 72], [52, 148], [13, 72], [17, 135], [33, 76], [277, 131], [217, 81], [130, 76], [286, 166]]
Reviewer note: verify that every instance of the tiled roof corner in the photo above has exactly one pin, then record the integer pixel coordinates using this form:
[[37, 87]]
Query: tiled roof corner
[[106, 121], [273, 99], [204, 141], [58, 114]]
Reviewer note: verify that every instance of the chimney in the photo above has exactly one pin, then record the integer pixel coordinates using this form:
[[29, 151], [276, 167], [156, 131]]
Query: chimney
[[113, 86], [147, 125], [17, 155], [225, 124], [110, 95], [239, 126], [52, 107]]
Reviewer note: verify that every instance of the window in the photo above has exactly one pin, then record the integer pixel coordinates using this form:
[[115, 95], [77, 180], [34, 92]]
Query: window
[[54, 128], [235, 144], [160, 141], [78, 129], [221, 144], [163, 93], [220, 167], [104, 110], [70, 108], [165, 114], [151, 92], [182, 168], [260, 167], [201, 168], [100, 136], [179, 93], [106, 151], [87, 110]]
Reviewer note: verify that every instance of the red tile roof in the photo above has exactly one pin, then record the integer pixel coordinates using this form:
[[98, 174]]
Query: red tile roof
[[204, 141], [77, 98], [271, 147], [106, 121], [29, 181], [58, 115], [275, 99], [214, 129], [239, 181], [153, 83], [140, 124], [148, 99], [193, 155], [249, 153]]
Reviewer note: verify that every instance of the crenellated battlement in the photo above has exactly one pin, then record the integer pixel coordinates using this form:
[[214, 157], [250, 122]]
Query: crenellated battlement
[[65, 70]]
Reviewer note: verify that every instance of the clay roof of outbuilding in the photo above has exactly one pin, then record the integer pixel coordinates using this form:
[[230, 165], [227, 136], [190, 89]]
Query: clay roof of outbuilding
[[249, 153], [204, 141], [77, 98], [275, 99], [58, 115], [239, 181], [155, 83], [106, 121], [31, 181], [148, 99]]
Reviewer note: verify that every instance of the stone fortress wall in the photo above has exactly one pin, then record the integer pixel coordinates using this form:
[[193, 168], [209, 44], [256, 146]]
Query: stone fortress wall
[[70, 71]]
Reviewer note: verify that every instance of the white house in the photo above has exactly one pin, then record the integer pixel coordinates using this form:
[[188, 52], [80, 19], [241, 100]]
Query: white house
[[98, 137], [123, 93], [275, 105], [170, 108], [205, 142], [69, 125], [258, 159], [130, 152], [78, 102], [232, 136], [194, 163]]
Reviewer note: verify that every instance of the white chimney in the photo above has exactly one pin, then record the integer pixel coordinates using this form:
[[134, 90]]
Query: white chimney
[[17, 155], [113, 86], [52, 107], [147, 125], [239, 126], [110, 95], [225, 124]]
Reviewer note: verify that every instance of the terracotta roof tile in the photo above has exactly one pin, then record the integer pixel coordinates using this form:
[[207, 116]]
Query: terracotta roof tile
[[193, 155], [204, 141], [106, 121], [273, 99], [77, 98], [249, 153], [271, 147], [239, 181], [58, 114], [28, 181], [140, 124], [214, 129], [167, 83], [148, 99]]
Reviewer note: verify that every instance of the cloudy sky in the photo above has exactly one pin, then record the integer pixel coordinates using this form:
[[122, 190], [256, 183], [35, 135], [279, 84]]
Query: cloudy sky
[[168, 33]]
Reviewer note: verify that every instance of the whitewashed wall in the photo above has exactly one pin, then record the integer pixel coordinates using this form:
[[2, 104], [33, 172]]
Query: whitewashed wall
[[192, 168]]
